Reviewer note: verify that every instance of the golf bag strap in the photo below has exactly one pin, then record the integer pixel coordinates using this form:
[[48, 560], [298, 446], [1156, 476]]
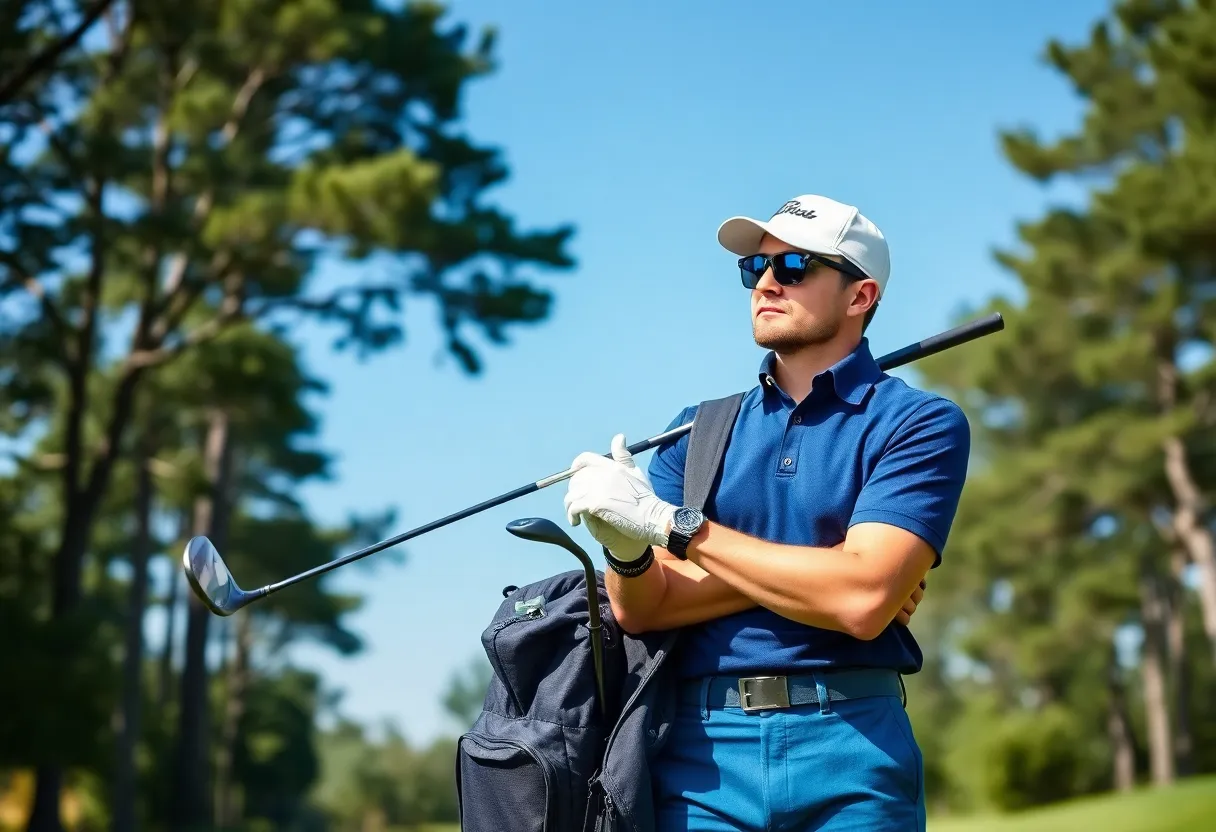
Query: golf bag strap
[[711, 429]]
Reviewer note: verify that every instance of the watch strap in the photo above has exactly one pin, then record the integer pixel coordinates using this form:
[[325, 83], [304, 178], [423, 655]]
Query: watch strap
[[677, 544]]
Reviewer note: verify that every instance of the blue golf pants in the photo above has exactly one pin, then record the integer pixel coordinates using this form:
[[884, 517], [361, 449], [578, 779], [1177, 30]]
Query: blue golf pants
[[841, 765]]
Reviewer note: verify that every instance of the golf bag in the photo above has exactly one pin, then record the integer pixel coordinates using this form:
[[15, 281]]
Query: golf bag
[[545, 755]]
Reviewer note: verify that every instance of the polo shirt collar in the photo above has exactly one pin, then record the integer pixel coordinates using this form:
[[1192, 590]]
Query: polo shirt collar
[[851, 377]]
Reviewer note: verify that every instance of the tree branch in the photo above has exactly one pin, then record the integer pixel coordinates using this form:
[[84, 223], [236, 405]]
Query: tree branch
[[229, 312], [120, 415], [162, 176], [46, 59], [175, 284], [78, 368], [175, 307], [328, 304], [20, 277]]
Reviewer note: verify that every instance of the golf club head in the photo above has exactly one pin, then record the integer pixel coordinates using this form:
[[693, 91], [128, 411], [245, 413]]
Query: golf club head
[[544, 531], [210, 579]]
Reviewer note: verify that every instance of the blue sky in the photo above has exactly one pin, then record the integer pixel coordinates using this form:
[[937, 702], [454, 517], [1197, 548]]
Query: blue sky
[[646, 124]]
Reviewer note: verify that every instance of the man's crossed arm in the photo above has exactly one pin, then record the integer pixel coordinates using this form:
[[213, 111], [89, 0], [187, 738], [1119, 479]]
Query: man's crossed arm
[[873, 577]]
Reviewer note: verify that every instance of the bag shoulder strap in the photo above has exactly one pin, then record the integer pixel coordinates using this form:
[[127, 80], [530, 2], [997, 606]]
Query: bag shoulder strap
[[711, 429]]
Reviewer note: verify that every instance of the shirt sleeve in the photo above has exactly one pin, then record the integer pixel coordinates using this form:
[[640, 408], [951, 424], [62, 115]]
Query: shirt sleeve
[[918, 480], [666, 471]]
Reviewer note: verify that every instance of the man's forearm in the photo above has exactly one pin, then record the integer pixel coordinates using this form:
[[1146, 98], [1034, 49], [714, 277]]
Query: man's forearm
[[672, 593], [838, 588], [634, 599]]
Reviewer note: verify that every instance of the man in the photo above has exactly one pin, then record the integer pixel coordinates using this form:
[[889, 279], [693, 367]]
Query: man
[[836, 496]]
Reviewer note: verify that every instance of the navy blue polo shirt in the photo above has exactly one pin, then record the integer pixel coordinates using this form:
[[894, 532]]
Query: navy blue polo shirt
[[863, 446]]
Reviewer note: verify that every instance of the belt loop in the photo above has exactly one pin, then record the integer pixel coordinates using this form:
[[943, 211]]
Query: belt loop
[[706, 681], [821, 689]]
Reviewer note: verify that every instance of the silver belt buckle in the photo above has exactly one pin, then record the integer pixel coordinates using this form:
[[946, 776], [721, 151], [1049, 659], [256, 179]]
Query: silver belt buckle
[[770, 692]]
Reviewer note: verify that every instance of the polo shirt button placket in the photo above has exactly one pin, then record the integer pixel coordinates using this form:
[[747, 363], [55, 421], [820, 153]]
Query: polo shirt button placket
[[789, 447]]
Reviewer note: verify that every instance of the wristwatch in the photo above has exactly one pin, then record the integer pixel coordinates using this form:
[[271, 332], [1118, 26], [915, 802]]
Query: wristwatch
[[685, 523]]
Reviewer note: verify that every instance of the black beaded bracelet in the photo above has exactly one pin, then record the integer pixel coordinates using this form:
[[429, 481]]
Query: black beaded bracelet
[[632, 569]]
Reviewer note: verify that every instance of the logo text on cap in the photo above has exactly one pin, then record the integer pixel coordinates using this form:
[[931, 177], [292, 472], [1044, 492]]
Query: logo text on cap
[[795, 208]]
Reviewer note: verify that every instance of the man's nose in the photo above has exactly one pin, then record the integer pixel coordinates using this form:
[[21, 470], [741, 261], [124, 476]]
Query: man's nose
[[767, 283]]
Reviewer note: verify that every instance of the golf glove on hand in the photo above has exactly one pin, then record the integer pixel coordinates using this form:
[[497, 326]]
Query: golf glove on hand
[[620, 508], [623, 548]]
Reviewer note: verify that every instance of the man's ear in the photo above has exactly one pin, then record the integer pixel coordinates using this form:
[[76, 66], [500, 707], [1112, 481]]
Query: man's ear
[[865, 297]]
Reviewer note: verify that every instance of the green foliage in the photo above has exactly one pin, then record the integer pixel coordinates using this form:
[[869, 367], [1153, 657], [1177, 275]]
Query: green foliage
[[467, 690], [1182, 808], [166, 197], [1004, 760], [45, 668], [386, 783], [276, 757], [1092, 416]]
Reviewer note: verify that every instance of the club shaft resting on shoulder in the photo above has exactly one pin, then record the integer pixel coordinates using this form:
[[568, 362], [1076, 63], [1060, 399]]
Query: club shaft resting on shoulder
[[239, 598]]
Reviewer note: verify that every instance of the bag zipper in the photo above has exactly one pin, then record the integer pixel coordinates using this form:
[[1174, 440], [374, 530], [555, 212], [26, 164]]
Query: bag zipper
[[658, 661], [489, 743], [499, 670]]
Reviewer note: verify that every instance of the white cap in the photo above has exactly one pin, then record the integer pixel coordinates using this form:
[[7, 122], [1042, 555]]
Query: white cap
[[816, 224]]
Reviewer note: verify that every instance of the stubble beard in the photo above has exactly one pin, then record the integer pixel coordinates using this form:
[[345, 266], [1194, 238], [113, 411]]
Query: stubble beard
[[789, 341]]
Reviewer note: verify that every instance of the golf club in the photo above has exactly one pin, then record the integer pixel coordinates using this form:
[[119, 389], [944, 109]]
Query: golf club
[[546, 531], [215, 587]]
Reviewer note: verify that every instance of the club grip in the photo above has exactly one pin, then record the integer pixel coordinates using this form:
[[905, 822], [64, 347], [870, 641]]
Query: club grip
[[943, 341], [654, 441]]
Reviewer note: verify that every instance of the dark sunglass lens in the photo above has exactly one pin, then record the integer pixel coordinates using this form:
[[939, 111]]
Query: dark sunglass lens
[[753, 264], [788, 268], [750, 269]]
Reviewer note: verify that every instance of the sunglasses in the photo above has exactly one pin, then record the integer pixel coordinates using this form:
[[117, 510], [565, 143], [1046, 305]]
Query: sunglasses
[[789, 267]]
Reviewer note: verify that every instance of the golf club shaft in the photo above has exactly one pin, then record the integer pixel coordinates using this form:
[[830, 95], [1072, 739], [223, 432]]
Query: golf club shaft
[[921, 349]]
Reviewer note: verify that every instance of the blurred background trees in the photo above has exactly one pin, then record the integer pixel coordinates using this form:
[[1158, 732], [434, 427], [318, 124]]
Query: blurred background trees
[[169, 183], [165, 194], [1079, 612]]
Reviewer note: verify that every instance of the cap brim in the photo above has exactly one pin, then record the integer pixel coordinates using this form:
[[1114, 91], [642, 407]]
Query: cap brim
[[742, 235]]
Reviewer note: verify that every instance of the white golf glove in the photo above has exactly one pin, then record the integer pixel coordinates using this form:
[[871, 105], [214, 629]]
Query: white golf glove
[[616, 501]]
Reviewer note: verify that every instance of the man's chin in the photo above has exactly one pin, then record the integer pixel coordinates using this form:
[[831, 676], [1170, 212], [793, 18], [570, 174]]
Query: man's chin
[[786, 342]]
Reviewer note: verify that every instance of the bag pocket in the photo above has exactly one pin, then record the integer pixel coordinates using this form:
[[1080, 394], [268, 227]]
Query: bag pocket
[[502, 784]]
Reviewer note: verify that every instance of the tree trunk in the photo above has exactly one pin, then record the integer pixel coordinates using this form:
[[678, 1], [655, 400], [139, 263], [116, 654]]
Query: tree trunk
[[1119, 729], [191, 809], [165, 684], [165, 672], [1184, 743], [81, 502], [128, 730], [44, 816], [228, 809], [67, 567], [1153, 671], [1194, 535]]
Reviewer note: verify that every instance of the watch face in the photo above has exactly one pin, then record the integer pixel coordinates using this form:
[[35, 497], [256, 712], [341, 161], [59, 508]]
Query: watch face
[[687, 520]]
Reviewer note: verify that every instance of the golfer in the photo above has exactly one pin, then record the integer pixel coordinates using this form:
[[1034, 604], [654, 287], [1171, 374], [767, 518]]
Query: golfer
[[835, 498]]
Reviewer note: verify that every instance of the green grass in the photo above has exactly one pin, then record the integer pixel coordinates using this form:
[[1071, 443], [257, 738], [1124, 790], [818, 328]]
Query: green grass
[[1187, 807]]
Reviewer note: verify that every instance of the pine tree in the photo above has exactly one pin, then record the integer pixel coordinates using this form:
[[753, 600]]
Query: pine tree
[[1149, 139], [1094, 411], [190, 173]]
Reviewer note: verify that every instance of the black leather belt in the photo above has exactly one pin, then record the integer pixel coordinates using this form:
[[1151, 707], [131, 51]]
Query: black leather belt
[[762, 693]]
